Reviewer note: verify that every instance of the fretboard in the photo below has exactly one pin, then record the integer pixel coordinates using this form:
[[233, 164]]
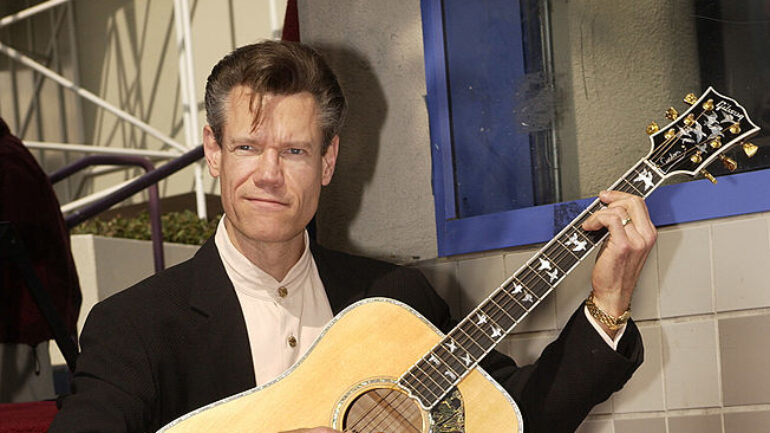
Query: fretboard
[[431, 378]]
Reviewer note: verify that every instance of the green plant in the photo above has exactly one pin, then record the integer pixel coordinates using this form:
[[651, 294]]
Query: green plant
[[181, 227]]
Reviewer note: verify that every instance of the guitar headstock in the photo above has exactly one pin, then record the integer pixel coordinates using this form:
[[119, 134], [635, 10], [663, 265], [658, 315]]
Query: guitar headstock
[[696, 138]]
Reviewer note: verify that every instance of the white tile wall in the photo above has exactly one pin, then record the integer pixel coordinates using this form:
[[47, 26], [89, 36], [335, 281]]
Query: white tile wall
[[644, 305], [741, 262], [644, 392], [600, 426], [477, 278], [684, 264], [698, 298], [690, 364], [443, 277]]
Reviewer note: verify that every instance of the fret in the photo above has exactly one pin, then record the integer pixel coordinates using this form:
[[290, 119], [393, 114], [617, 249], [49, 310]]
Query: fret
[[548, 269], [576, 242], [476, 350], [477, 334], [537, 283], [522, 288], [499, 321], [432, 375], [505, 320], [595, 207], [595, 236], [453, 363], [513, 306], [495, 331], [466, 355], [483, 317], [645, 179], [572, 257], [419, 389], [629, 188], [560, 242]]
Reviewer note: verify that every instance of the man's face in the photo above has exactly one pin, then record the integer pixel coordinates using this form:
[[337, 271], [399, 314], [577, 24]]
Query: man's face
[[271, 175]]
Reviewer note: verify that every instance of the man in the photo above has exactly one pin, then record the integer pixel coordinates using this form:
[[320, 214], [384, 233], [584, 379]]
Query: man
[[254, 297]]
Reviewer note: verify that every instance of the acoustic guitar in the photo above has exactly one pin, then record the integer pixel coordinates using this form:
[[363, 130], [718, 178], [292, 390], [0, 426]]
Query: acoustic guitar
[[395, 372]]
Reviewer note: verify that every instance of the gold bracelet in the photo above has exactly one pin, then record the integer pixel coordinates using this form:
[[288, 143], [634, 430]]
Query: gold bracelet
[[611, 321]]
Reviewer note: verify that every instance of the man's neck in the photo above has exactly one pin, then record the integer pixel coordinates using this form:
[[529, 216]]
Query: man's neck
[[275, 258]]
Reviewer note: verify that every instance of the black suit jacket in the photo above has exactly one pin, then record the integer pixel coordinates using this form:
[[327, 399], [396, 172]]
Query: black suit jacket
[[178, 341]]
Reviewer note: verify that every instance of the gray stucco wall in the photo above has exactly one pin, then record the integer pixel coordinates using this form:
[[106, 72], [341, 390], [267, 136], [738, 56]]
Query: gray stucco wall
[[380, 201]]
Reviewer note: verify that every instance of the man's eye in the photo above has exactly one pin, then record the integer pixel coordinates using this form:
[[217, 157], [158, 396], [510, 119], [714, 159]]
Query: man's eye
[[245, 147], [296, 151]]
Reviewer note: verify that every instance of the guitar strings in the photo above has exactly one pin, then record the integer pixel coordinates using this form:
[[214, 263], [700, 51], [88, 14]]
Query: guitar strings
[[387, 411], [395, 420]]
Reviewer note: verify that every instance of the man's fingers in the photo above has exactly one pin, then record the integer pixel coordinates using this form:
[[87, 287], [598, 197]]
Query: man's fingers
[[625, 206], [612, 219]]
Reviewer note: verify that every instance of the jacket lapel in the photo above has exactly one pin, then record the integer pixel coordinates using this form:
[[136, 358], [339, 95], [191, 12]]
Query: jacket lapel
[[342, 286], [223, 335]]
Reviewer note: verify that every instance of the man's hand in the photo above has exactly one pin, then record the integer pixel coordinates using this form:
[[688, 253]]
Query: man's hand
[[623, 254]]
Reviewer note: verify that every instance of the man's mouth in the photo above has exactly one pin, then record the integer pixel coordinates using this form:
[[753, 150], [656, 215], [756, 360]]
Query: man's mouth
[[267, 202]]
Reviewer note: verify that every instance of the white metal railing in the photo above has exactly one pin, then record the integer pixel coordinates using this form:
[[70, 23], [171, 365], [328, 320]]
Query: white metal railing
[[187, 86]]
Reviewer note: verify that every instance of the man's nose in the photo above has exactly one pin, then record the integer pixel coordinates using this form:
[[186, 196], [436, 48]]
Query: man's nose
[[268, 172]]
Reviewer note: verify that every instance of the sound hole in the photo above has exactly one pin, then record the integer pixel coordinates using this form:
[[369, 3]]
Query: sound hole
[[383, 410]]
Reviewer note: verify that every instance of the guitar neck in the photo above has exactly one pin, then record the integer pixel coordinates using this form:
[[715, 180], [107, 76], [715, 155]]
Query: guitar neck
[[477, 334]]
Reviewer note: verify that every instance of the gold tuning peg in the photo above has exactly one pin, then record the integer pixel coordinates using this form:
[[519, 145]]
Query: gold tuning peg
[[728, 162], [671, 113], [690, 99], [750, 149], [735, 128], [708, 105], [696, 158], [708, 176], [652, 128]]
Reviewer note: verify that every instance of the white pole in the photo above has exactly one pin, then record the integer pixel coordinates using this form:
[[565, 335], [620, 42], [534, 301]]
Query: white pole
[[75, 204], [276, 25], [18, 16], [189, 100], [86, 148], [10, 52]]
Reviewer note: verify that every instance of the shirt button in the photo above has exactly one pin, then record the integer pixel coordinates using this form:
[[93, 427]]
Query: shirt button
[[283, 291], [292, 341]]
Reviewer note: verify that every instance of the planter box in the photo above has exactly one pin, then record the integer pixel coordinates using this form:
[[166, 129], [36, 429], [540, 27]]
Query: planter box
[[108, 265]]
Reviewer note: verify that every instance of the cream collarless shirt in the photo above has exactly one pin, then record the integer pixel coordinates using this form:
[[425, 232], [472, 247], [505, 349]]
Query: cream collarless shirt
[[283, 318]]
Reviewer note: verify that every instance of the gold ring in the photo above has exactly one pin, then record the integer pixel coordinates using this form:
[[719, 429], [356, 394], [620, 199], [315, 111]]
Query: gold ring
[[625, 221]]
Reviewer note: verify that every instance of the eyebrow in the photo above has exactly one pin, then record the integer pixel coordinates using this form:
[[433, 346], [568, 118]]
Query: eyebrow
[[249, 140]]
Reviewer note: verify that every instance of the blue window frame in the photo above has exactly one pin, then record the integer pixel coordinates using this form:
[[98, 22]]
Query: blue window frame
[[734, 194]]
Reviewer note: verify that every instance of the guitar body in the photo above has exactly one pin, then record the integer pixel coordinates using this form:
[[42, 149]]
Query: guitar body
[[348, 381]]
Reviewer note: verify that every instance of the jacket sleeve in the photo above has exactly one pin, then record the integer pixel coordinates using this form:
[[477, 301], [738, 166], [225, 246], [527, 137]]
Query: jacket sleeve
[[573, 374], [113, 387]]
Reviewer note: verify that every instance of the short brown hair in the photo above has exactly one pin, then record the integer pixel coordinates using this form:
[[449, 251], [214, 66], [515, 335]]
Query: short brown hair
[[281, 68]]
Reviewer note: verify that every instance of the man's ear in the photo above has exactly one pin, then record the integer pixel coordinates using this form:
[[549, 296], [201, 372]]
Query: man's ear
[[212, 150], [329, 160]]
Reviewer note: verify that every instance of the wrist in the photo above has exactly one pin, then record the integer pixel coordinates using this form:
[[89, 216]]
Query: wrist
[[613, 302], [611, 320]]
